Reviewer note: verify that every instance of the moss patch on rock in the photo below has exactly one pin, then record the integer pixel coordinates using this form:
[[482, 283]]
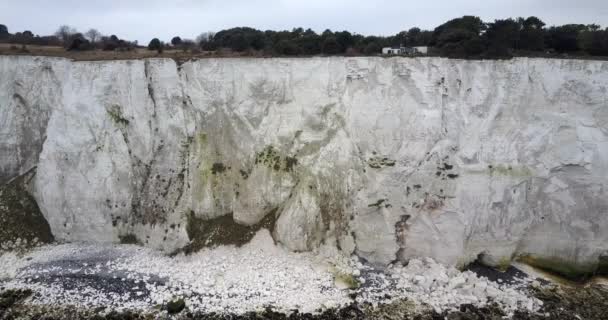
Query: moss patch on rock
[[129, 239], [176, 306], [380, 203], [218, 168], [115, 113], [379, 162], [563, 302], [23, 225], [273, 159], [397, 309], [9, 298], [347, 280], [510, 170], [503, 264], [223, 231]]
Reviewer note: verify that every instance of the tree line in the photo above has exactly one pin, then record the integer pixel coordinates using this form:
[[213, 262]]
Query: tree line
[[464, 37], [469, 36], [69, 38]]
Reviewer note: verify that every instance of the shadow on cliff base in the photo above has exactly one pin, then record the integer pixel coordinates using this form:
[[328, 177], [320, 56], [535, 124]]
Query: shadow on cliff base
[[23, 225]]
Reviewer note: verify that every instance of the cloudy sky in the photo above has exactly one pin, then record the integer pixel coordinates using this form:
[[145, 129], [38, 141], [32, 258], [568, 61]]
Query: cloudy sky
[[144, 19]]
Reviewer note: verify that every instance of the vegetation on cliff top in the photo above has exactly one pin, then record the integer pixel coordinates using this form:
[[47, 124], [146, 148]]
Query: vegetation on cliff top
[[464, 37]]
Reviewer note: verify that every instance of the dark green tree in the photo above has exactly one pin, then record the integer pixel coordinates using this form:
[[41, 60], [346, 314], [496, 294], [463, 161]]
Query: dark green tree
[[594, 41], [401, 39], [331, 46], [502, 37], [471, 24], [532, 35], [564, 38], [4, 32], [372, 48], [240, 39], [79, 43], [309, 42], [286, 48], [413, 37], [345, 39], [176, 41], [155, 44], [460, 37], [25, 37]]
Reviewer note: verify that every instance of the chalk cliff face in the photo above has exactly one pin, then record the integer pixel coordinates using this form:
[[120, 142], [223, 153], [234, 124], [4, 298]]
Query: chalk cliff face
[[389, 159]]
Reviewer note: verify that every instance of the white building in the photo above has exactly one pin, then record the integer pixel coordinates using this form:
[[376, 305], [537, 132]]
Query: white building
[[422, 49], [391, 50], [405, 50]]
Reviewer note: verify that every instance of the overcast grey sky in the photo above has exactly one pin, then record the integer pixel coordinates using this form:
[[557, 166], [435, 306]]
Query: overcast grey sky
[[144, 19]]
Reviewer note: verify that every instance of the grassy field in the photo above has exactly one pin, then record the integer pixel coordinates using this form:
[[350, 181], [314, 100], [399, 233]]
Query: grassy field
[[138, 53]]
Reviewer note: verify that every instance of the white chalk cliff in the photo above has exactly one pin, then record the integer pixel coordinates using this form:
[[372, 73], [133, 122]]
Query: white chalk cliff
[[389, 159]]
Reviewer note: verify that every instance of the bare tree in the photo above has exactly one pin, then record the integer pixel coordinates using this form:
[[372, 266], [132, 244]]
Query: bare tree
[[93, 35], [64, 33], [187, 44], [205, 37]]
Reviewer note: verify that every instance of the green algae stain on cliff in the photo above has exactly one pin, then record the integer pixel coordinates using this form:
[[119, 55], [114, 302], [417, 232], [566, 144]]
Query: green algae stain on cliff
[[195, 151], [567, 269], [218, 168], [503, 264], [379, 162], [115, 113], [201, 138], [268, 157], [273, 159], [290, 163], [517, 171], [503, 170], [200, 142], [129, 238]]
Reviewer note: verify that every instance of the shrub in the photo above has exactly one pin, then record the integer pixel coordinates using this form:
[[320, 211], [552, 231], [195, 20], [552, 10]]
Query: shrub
[[79, 44], [372, 48]]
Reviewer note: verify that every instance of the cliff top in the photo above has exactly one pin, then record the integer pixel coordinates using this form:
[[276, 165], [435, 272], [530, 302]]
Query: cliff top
[[182, 56]]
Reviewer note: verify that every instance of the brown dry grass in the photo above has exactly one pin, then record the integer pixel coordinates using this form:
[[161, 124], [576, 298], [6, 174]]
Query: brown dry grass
[[182, 56], [94, 55]]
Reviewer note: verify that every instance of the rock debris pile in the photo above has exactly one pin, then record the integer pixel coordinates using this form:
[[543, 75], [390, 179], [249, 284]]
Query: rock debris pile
[[229, 279]]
